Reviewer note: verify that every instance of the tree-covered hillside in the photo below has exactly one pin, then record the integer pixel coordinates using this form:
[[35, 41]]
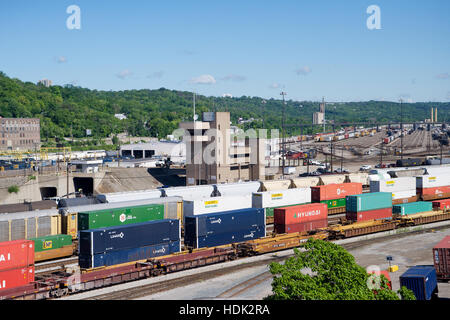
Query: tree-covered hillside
[[66, 110]]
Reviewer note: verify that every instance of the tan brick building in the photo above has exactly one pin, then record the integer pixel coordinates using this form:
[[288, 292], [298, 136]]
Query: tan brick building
[[20, 133], [211, 156]]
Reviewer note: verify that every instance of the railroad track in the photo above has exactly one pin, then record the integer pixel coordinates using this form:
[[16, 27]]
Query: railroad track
[[164, 285]]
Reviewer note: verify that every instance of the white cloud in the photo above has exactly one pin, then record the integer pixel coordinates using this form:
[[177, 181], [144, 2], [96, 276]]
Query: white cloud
[[203, 79], [227, 95], [61, 59], [124, 73], [443, 75], [234, 77], [303, 70], [274, 86]]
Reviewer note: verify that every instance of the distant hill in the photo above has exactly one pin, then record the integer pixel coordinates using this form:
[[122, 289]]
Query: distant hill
[[68, 109]]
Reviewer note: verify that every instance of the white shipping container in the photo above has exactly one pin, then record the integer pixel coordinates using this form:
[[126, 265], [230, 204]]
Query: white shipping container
[[190, 193], [403, 194], [430, 181], [278, 198], [239, 188], [393, 185], [129, 196], [216, 204]]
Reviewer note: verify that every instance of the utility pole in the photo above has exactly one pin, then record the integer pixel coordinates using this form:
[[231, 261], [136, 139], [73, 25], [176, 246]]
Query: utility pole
[[262, 111], [67, 169], [282, 130]]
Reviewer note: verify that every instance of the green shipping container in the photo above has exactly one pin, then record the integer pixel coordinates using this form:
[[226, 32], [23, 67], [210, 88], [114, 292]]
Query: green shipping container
[[51, 242], [412, 208], [368, 201], [336, 203], [119, 216], [269, 211]]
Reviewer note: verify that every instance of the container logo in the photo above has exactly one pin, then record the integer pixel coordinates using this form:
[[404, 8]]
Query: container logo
[[48, 244], [217, 221], [211, 204], [2, 257], [249, 235], [3, 284], [122, 217], [277, 196], [162, 250], [120, 235], [307, 214]]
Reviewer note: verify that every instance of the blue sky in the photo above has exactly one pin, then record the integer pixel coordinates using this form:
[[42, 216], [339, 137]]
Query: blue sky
[[309, 49]]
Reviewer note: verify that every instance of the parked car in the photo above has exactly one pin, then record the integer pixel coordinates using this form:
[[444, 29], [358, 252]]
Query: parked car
[[365, 167]]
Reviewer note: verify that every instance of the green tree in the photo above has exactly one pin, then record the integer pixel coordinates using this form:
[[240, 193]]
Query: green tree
[[325, 271]]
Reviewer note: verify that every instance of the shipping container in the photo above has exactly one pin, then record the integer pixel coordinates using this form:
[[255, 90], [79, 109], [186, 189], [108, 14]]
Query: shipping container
[[412, 208], [421, 280], [216, 204], [119, 216], [236, 236], [301, 227], [442, 204], [270, 211], [128, 236], [277, 198], [335, 191], [238, 188], [75, 202], [16, 254], [190, 193], [377, 214], [369, 201], [229, 222], [442, 192], [173, 209], [432, 181], [393, 185], [336, 203], [441, 256], [301, 213], [16, 277], [128, 255], [51, 242], [129, 196], [404, 194], [289, 170]]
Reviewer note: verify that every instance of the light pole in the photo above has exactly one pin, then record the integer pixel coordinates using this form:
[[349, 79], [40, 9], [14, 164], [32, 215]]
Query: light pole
[[401, 129], [282, 132], [262, 111]]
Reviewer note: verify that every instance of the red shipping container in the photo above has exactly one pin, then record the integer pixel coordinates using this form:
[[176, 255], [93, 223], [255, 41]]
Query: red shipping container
[[377, 214], [434, 190], [442, 204], [301, 227], [16, 254], [16, 277], [335, 191], [441, 256], [301, 213]]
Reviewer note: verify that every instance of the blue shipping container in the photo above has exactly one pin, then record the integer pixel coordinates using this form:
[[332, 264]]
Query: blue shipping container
[[219, 239], [226, 221], [421, 280], [412, 208], [128, 236], [128, 255]]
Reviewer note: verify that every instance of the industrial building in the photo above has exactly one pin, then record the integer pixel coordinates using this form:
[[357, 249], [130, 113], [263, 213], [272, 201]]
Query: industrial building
[[173, 149], [211, 156], [20, 133]]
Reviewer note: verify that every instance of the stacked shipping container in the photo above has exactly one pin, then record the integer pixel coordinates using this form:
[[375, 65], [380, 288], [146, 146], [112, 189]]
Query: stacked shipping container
[[441, 204], [121, 244], [301, 218], [369, 206], [432, 187], [215, 229], [269, 200], [16, 263], [441, 255], [216, 205], [334, 194], [403, 189]]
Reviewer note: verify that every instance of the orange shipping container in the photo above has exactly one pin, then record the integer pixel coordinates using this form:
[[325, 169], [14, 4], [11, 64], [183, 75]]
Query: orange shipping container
[[434, 190], [335, 191], [300, 213]]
